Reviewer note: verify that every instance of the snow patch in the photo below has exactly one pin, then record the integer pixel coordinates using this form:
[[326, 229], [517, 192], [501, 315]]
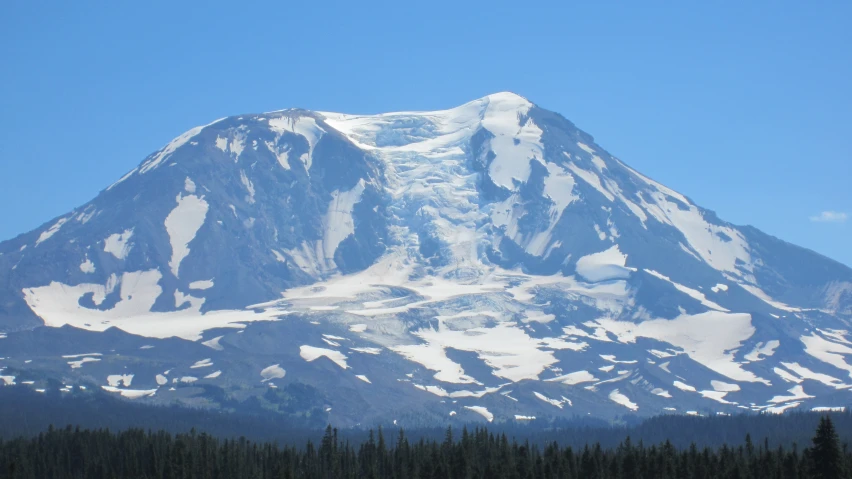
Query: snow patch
[[482, 411], [201, 285], [722, 333], [310, 353], [692, 293], [762, 351], [87, 266], [574, 378], [116, 380], [274, 371], [118, 244], [623, 400], [50, 231], [182, 223], [603, 266]]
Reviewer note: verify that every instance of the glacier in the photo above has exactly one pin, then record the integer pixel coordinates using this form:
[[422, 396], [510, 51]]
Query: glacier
[[486, 262]]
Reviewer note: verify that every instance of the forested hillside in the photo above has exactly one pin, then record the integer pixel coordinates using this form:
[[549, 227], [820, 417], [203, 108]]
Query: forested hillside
[[27, 413], [74, 453]]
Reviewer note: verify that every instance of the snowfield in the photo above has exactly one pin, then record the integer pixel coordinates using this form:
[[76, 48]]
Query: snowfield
[[489, 258]]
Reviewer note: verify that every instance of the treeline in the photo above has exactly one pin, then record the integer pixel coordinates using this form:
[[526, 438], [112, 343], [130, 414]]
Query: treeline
[[75, 453], [24, 412]]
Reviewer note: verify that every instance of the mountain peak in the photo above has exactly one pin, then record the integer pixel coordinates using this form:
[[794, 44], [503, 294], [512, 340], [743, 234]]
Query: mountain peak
[[507, 96], [470, 253]]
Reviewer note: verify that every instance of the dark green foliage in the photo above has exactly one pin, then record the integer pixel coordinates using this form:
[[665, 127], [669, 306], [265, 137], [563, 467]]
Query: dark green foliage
[[75, 453], [826, 459]]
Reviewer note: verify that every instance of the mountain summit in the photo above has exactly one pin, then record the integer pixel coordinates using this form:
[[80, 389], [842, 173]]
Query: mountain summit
[[486, 262]]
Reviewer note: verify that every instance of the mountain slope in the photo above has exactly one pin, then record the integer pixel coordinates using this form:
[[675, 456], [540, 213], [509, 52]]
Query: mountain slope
[[485, 261]]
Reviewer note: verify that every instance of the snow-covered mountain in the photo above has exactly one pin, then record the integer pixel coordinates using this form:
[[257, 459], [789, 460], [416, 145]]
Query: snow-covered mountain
[[486, 262]]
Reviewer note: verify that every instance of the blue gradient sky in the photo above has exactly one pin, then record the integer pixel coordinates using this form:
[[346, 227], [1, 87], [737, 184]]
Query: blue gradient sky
[[746, 109]]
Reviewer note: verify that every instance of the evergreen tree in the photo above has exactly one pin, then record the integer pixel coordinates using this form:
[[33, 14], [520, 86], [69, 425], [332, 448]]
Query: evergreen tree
[[826, 458]]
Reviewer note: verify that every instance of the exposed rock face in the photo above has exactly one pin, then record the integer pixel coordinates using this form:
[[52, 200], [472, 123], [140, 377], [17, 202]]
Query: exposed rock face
[[483, 262]]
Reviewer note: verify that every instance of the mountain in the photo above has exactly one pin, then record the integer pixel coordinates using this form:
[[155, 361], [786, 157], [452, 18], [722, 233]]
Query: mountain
[[486, 262]]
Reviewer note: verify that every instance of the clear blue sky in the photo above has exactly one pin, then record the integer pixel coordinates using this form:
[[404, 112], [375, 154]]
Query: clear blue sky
[[747, 108]]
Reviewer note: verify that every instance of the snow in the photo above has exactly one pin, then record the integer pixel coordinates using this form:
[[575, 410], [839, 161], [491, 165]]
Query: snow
[[588, 149], [781, 409], [121, 180], [87, 266], [786, 376], [433, 357], [281, 152], [838, 335], [623, 400], [274, 371], [201, 285], [310, 353], [130, 393], [683, 386], [249, 186], [806, 373], [50, 231], [723, 248], [339, 223], [305, 126], [555, 402], [214, 343], [72, 356], [213, 375], [758, 293], [182, 224], [721, 333], [58, 304], [611, 358], [661, 392], [118, 244], [237, 145], [532, 316], [204, 363], [724, 387], [155, 160], [439, 391], [797, 392], [516, 141], [761, 350], [504, 347], [592, 179], [482, 411], [363, 378], [116, 380], [827, 351], [574, 378], [373, 351], [79, 363], [603, 266], [695, 294], [829, 409]]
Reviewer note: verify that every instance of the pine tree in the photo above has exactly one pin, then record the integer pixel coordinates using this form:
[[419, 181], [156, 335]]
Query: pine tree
[[826, 460]]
